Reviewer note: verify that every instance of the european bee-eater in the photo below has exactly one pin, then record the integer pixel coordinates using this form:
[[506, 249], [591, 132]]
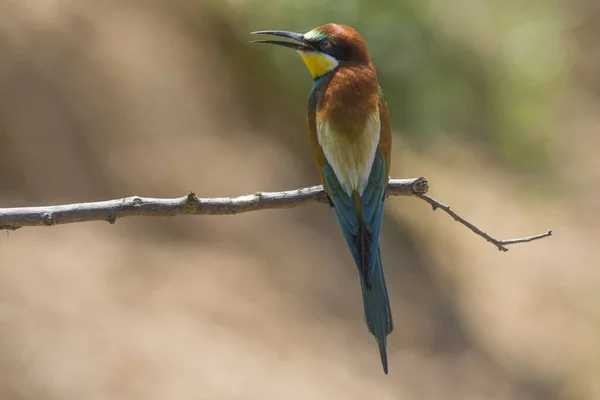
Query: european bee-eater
[[350, 135]]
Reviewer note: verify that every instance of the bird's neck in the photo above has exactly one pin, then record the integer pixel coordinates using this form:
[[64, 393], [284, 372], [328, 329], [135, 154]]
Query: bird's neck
[[318, 89], [349, 96]]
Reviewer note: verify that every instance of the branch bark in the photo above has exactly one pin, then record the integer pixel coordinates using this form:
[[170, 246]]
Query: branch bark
[[111, 210]]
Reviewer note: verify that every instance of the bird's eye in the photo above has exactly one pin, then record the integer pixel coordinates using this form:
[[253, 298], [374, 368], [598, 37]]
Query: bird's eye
[[325, 44]]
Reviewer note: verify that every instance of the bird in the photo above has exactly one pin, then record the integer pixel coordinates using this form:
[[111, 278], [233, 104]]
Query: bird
[[350, 137]]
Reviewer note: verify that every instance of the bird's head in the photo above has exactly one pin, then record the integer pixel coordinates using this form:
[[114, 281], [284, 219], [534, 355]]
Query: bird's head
[[324, 48]]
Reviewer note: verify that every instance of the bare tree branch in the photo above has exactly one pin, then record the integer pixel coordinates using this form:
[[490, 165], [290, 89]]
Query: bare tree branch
[[500, 244], [111, 210]]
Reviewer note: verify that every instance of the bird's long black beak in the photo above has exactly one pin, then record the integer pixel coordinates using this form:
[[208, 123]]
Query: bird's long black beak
[[302, 46]]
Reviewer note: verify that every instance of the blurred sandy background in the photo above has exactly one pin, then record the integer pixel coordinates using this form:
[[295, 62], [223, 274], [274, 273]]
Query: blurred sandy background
[[496, 102]]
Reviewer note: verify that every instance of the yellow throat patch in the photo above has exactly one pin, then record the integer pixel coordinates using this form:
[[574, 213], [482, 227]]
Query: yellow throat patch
[[318, 64]]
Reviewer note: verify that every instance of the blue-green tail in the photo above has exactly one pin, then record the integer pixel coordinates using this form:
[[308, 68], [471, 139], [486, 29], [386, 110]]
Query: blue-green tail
[[360, 217], [378, 314]]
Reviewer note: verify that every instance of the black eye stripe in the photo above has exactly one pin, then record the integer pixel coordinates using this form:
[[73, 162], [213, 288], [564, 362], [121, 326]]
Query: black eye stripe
[[339, 51]]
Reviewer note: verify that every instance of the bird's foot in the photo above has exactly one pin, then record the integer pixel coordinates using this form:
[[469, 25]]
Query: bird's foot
[[329, 201]]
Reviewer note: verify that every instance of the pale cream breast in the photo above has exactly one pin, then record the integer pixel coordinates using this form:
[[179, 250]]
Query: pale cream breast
[[350, 155]]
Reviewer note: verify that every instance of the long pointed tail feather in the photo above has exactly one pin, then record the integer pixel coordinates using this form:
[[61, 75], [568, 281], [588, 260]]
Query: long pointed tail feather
[[378, 314]]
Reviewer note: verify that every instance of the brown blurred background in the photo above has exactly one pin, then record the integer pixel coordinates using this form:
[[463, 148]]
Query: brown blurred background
[[496, 102]]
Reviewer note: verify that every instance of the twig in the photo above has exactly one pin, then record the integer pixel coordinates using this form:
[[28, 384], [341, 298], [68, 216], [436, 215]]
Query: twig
[[111, 210], [500, 244]]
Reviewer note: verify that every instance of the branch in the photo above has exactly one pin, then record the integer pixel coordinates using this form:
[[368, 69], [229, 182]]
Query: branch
[[111, 210], [500, 244]]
